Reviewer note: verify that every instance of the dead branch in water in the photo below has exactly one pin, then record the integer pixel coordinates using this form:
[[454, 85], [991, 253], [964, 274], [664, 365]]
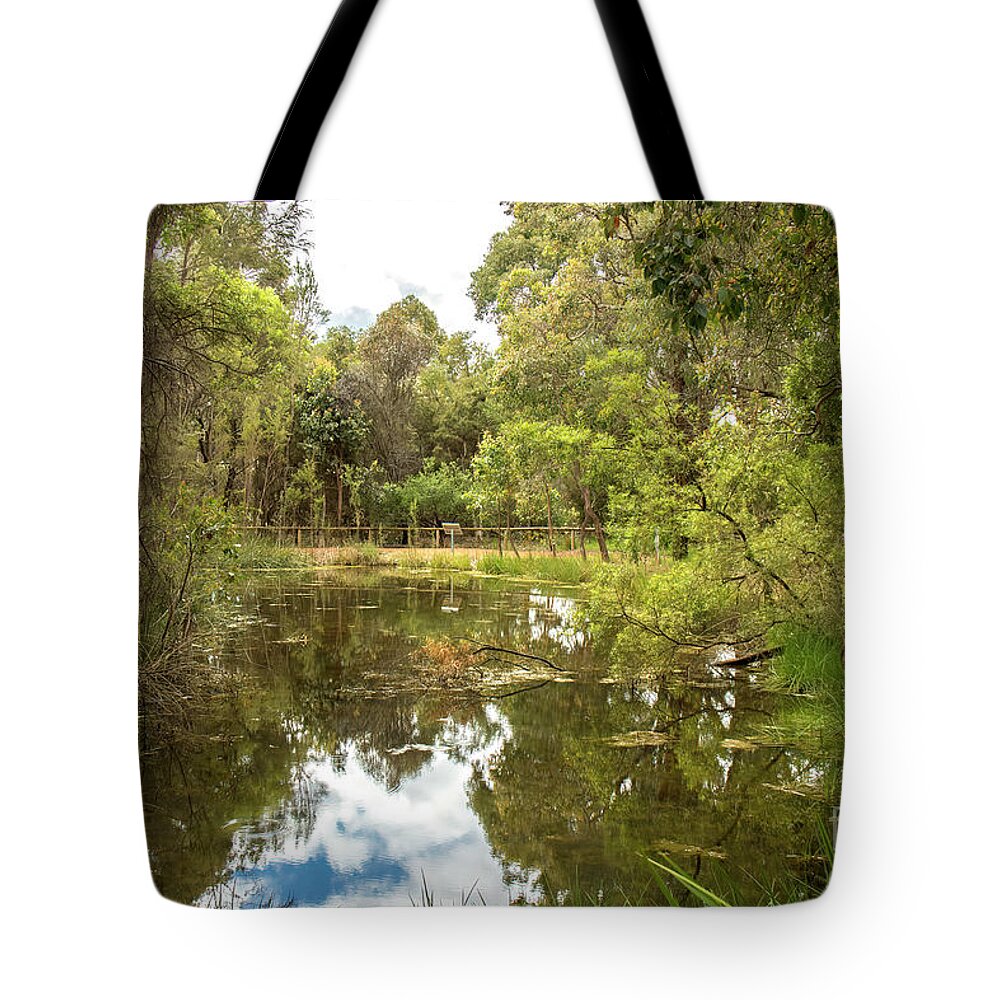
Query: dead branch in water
[[532, 687], [741, 661], [509, 652]]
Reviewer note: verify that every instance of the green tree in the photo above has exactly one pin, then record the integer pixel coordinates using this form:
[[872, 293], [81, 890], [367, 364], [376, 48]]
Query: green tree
[[383, 375], [331, 426]]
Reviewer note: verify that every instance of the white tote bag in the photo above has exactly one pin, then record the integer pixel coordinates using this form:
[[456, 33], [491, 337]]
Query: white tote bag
[[493, 557]]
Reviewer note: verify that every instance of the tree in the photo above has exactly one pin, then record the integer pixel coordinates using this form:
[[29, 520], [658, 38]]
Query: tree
[[331, 426], [383, 375], [452, 407]]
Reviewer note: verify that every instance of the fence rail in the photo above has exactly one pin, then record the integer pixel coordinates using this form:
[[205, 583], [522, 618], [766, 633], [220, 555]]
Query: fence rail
[[406, 536]]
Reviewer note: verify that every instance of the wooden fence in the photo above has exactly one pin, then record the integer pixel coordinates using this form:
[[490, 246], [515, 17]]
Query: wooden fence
[[528, 537]]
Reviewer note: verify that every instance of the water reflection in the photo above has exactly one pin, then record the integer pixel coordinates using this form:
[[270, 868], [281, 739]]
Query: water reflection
[[302, 791], [370, 844]]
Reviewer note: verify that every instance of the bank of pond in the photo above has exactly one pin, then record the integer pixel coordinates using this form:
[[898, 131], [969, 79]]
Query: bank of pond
[[384, 736]]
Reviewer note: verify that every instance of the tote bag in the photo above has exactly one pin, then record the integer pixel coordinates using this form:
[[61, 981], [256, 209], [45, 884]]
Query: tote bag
[[493, 558]]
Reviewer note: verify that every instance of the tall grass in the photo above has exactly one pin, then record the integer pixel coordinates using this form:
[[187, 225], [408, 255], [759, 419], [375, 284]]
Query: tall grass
[[442, 559], [258, 553], [810, 667], [561, 569], [810, 663], [427, 897], [705, 896], [254, 552], [680, 888], [366, 554]]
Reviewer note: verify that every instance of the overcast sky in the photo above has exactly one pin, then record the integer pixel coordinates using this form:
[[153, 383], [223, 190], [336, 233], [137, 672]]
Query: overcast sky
[[369, 254]]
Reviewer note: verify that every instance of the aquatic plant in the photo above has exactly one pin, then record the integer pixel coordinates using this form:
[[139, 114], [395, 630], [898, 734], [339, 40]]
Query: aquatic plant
[[812, 877]]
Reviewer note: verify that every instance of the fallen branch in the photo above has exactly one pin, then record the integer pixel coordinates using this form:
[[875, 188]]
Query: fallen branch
[[511, 652], [517, 652], [740, 661], [532, 687]]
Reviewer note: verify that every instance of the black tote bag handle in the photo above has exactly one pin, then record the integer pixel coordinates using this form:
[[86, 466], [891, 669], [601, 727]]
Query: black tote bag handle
[[635, 56]]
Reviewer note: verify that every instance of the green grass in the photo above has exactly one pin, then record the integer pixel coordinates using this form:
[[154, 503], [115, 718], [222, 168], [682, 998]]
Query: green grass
[[260, 553], [705, 896], [680, 888], [365, 554], [437, 560], [561, 569], [810, 667], [810, 663], [427, 897]]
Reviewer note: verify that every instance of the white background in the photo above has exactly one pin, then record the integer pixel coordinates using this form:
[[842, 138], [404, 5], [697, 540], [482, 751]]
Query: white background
[[885, 112]]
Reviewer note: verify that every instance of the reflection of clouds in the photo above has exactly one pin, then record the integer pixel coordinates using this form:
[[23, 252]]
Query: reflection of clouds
[[726, 763], [551, 617], [370, 846]]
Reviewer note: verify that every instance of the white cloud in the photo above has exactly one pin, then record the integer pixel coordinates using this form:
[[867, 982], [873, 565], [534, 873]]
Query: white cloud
[[369, 254], [372, 846]]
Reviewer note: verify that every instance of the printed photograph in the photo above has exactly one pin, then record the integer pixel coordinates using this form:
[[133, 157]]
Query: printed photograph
[[491, 554]]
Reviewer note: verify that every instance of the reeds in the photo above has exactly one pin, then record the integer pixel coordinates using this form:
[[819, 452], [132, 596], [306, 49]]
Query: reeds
[[559, 569]]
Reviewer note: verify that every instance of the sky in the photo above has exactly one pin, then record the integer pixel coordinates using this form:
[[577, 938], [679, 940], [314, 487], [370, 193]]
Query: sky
[[369, 254]]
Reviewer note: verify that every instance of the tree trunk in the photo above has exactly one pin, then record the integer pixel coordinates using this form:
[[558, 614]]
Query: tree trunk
[[157, 220], [340, 498], [590, 515], [602, 541], [548, 509], [510, 543], [230, 487]]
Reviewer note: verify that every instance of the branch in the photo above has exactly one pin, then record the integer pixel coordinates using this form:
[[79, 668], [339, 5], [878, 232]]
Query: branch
[[509, 652], [740, 661]]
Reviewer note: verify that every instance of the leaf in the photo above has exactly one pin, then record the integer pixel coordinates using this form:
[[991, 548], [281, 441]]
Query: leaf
[[705, 895]]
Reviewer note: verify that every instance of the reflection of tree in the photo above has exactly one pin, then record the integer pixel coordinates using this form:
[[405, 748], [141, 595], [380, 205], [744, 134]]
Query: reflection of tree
[[551, 794], [558, 799], [242, 763], [239, 785], [382, 732]]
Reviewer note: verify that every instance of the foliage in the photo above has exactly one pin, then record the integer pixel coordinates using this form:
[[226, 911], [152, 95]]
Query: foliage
[[810, 666], [302, 501], [331, 426], [438, 493], [667, 375], [673, 369], [452, 403]]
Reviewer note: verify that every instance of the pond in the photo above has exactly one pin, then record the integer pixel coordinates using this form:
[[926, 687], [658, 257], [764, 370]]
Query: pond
[[335, 774]]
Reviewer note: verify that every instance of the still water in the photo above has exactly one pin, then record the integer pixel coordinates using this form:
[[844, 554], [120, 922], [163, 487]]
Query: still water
[[334, 774]]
